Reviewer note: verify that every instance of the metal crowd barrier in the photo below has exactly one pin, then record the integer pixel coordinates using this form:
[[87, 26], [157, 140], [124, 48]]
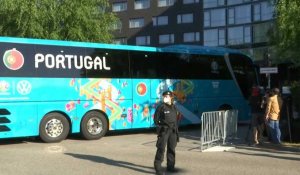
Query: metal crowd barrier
[[217, 127]]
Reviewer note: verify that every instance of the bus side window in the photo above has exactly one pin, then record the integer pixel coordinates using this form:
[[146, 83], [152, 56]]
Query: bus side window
[[143, 64], [209, 67]]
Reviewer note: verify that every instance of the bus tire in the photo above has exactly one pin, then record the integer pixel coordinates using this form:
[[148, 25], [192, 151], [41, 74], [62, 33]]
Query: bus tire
[[54, 127], [93, 125]]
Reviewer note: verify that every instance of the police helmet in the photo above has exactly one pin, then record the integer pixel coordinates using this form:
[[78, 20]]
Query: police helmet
[[167, 93]]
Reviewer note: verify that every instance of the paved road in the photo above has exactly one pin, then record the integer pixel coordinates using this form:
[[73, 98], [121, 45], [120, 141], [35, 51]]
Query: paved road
[[133, 153]]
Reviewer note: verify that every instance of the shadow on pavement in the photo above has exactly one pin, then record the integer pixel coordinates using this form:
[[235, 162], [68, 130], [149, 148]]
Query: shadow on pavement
[[178, 171], [267, 154], [21, 140], [272, 148], [117, 163], [267, 149]]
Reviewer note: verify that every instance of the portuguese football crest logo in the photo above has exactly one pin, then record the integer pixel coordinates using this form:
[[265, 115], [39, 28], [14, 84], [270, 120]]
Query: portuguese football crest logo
[[141, 89], [13, 59]]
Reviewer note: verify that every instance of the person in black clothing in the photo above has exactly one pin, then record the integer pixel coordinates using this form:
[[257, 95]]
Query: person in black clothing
[[257, 124], [165, 119]]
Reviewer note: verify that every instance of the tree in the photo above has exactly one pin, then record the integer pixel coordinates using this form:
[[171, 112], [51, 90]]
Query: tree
[[286, 35], [76, 20]]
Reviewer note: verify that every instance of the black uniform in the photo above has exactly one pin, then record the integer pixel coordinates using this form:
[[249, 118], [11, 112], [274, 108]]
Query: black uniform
[[165, 118]]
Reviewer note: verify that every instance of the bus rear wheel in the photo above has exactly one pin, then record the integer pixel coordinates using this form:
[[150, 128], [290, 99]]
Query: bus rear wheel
[[93, 125], [54, 127]]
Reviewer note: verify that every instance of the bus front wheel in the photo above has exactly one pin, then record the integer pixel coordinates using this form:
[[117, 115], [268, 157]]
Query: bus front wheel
[[93, 125], [54, 127]]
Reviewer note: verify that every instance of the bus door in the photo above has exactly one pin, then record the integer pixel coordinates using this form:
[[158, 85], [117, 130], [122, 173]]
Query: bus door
[[118, 105], [141, 103]]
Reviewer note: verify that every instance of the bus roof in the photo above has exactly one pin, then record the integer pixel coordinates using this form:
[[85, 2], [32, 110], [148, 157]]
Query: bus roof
[[196, 49], [191, 49], [75, 44]]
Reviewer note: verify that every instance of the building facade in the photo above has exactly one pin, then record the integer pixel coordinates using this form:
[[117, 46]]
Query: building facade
[[240, 24]]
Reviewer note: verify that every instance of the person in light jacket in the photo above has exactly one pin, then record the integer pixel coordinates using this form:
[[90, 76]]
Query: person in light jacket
[[272, 115]]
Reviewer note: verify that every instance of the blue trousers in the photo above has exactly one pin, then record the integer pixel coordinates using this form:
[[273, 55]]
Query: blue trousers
[[275, 130]]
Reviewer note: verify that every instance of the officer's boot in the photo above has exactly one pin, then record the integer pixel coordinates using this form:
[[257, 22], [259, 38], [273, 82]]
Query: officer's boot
[[172, 169], [158, 168]]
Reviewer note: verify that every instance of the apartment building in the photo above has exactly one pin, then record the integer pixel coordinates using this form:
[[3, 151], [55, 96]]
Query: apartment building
[[240, 24]]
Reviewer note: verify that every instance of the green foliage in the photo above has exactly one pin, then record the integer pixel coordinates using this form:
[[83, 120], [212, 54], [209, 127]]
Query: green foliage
[[76, 20], [287, 31]]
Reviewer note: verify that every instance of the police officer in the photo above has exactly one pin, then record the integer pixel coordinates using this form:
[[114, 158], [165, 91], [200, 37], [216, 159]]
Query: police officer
[[165, 118]]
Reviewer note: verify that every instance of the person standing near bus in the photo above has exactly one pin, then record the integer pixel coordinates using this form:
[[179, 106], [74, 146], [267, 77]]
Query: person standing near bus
[[272, 115], [258, 121], [165, 119]]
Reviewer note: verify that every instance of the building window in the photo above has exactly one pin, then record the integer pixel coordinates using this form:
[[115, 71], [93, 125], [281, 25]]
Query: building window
[[260, 53], [165, 3], [213, 3], [239, 15], [120, 41], [239, 35], [117, 25], [207, 19], [190, 1], [160, 20], [191, 37], [142, 40], [260, 32], [231, 15], [119, 6], [247, 34], [221, 36], [233, 2], [257, 12], [263, 11], [136, 23], [185, 18], [214, 18], [214, 37], [166, 39], [141, 4]]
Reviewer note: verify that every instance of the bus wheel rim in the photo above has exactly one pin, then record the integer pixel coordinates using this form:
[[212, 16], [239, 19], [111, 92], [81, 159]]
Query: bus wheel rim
[[54, 128], [94, 126]]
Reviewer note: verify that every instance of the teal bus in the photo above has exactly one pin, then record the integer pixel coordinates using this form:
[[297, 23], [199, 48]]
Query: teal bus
[[51, 88]]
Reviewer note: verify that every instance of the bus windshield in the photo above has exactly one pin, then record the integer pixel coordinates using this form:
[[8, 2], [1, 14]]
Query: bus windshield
[[244, 72]]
